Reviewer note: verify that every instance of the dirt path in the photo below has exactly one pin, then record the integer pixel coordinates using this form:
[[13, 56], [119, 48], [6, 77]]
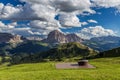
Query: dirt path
[[72, 65]]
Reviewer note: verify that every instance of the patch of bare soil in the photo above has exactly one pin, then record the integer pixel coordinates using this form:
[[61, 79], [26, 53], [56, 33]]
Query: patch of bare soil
[[72, 66]]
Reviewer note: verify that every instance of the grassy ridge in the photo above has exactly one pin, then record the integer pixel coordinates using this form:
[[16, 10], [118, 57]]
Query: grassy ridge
[[106, 69]]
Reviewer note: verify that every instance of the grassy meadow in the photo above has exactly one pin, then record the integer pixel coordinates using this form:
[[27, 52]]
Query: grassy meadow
[[106, 69]]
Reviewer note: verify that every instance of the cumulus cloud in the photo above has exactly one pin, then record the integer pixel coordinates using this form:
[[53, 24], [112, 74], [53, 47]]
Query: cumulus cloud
[[44, 25], [8, 11], [92, 21], [27, 12], [96, 31], [7, 26], [19, 31], [11, 28], [73, 5], [69, 20], [107, 3], [40, 9], [64, 5], [41, 14]]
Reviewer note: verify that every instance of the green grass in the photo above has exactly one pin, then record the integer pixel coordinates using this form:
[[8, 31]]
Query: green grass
[[106, 69]]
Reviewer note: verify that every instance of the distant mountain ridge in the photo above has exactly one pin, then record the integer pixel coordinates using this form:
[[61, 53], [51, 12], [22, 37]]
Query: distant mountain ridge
[[103, 43], [59, 37], [9, 38], [106, 38]]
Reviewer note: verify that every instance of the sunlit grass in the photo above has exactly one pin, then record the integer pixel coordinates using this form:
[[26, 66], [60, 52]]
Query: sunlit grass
[[106, 69]]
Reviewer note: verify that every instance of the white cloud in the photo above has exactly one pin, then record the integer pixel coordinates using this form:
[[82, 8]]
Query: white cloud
[[8, 11], [2, 24], [44, 25], [44, 10], [73, 5], [69, 20], [64, 5], [84, 23], [27, 12], [107, 3], [8, 26], [42, 14], [92, 21], [96, 31], [20, 31]]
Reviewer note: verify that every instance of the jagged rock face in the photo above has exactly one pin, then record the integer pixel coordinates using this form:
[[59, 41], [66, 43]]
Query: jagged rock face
[[9, 38], [16, 39], [73, 38], [58, 37]]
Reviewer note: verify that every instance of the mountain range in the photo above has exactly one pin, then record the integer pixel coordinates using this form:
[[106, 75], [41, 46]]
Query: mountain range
[[103, 43], [55, 37], [56, 47], [9, 38], [98, 43]]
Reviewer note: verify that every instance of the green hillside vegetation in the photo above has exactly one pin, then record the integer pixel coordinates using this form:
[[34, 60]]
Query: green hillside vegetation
[[4, 47], [30, 47], [111, 53], [106, 69], [70, 50], [62, 52]]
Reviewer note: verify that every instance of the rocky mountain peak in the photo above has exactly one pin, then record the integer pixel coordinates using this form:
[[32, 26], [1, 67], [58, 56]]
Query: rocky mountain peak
[[73, 38], [56, 37], [59, 37], [9, 38]]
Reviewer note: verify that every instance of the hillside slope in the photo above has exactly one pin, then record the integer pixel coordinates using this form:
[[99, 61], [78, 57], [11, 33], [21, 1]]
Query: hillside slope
[[58, 53], [103, 43], [111, 53], [30, 47]]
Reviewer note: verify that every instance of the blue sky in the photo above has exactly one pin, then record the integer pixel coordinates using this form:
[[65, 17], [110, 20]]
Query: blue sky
[[108, 18], [14, 2]]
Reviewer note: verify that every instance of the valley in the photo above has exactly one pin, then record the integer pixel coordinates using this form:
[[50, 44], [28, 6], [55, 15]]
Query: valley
[[59, 40], [21, 60]]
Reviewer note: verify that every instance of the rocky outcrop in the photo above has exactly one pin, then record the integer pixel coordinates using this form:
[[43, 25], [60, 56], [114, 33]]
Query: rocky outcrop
[[9, 38], [73, 38], [59, 37]]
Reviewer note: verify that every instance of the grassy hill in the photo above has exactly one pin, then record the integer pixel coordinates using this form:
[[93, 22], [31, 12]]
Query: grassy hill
[[106, 69], [62, 52], [70, 50], [36, 51]]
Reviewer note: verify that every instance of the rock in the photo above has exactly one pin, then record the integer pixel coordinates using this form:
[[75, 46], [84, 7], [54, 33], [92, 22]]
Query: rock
[[9, 38], [56, 37]]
